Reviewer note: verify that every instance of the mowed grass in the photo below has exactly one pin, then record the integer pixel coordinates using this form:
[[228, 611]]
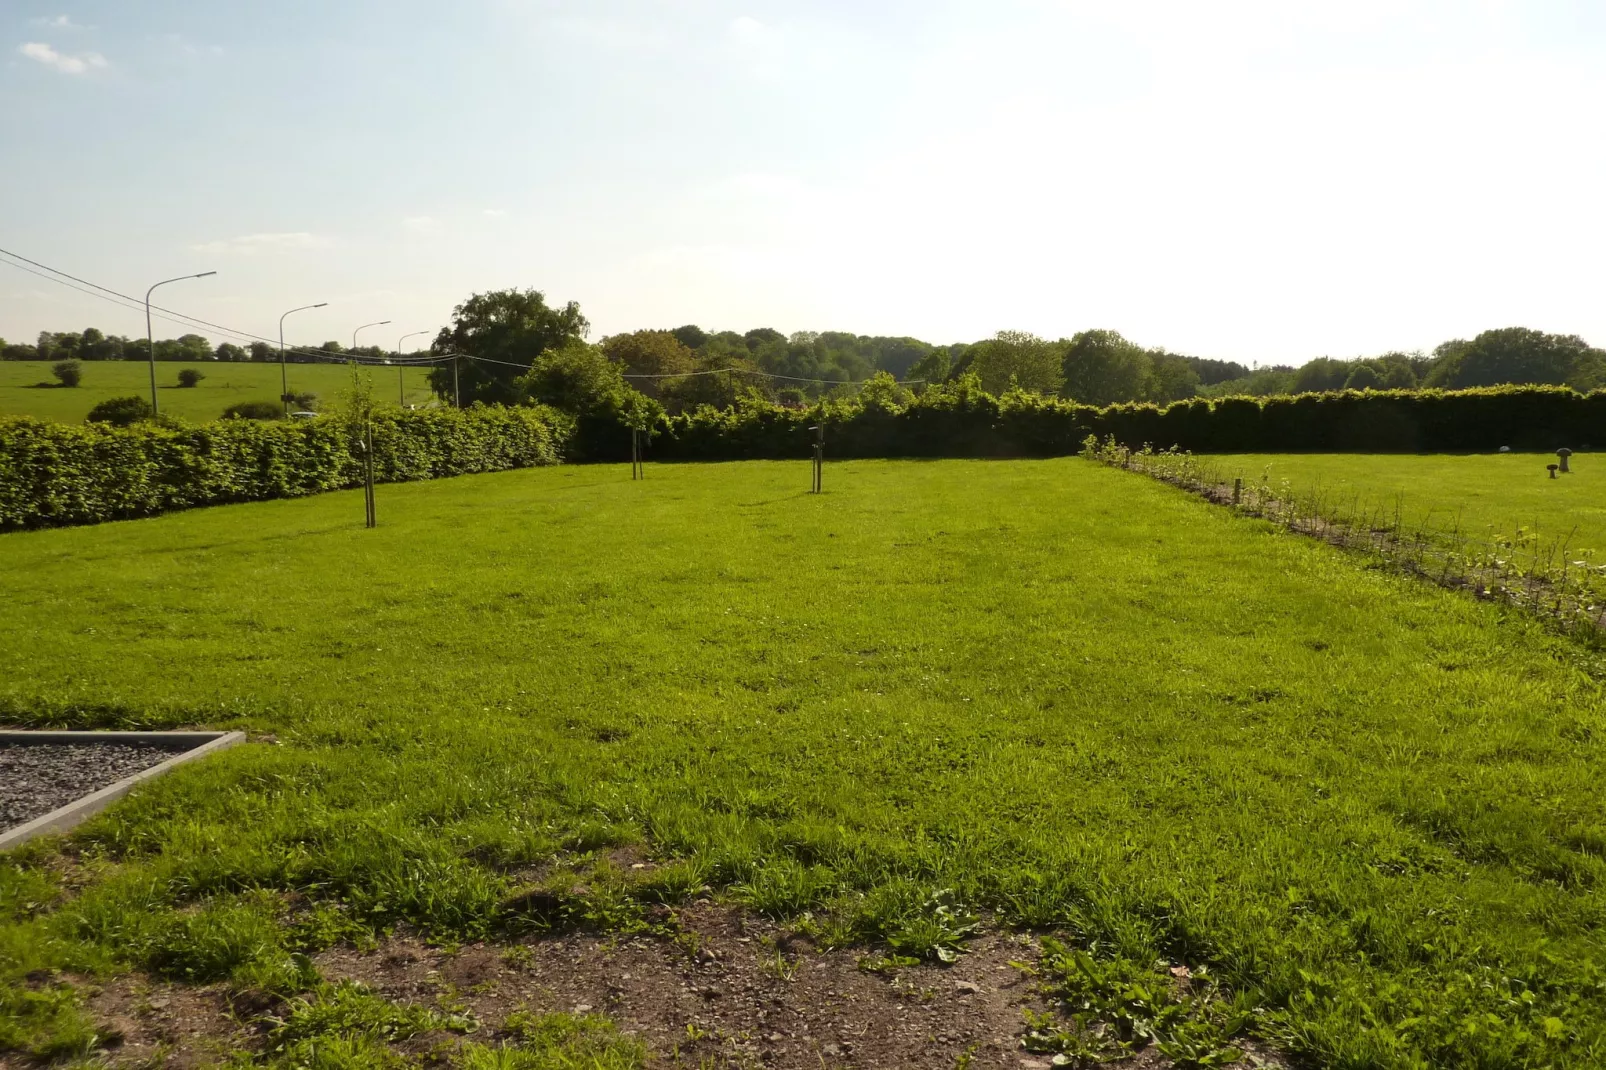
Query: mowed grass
[[28, 389], [1483, 496], [1067, 694]]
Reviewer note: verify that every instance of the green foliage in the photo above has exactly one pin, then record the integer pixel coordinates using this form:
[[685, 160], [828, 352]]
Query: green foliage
[[1117, 1006], [1016, 358], [555, 1042], [190, 377], [68, 372], [509, 330], [120, 412], [959, 419], [255, 410], [346, 1025], [53, 474], [1511, 355], [1102, 368]]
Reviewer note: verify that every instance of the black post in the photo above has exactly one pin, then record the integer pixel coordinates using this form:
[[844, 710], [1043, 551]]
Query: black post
[[819, 458], [636, 471], [368, 481]]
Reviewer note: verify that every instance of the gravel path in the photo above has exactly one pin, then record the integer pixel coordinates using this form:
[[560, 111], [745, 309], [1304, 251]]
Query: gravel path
[[35, 778]]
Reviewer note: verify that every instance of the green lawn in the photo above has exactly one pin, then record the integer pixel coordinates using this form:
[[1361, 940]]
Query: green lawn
[[1071, 695], [1482, 495], [28, 389]]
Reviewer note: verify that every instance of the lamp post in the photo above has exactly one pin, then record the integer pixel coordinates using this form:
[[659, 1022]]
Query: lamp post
[[284, 376], [401, 372], [150, 337], [364, 327]]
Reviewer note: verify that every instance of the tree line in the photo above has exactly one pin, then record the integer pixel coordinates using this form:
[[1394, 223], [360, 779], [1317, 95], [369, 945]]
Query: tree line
[[515, 333], [93, 344]]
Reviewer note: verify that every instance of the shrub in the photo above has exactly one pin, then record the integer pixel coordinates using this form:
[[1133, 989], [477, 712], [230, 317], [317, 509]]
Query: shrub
[[57, 474], [69, 372], [302, 402], [120, 412], [189, 376], [254, 410]]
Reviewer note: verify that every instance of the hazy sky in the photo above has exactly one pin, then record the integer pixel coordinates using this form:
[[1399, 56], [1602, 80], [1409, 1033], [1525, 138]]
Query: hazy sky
[[1267, 180]]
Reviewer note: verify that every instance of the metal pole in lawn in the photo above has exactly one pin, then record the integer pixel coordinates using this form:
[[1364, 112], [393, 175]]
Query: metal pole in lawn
[[457, 395], [150, 336], [819, 457], [368, 479]]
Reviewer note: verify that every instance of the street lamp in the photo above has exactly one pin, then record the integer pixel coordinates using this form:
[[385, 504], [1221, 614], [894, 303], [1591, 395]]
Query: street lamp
[[364, 327], [284, 376], [150, 338], [401, 372]]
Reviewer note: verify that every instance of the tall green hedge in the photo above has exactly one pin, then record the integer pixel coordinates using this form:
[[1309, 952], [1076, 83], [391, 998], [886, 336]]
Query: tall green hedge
[[54, 474], [958, 420]]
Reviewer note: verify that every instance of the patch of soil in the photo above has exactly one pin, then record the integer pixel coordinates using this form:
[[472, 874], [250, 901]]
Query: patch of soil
[[146, 1023], [734, 991]]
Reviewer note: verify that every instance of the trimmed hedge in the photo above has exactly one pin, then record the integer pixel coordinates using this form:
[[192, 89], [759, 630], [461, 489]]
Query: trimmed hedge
[[959, 420], [56, 474]]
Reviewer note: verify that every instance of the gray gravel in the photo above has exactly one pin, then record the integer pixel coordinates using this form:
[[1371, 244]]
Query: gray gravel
[[36, 778]]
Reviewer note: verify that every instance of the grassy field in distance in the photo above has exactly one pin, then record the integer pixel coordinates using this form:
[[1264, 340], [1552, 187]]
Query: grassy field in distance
[[226, 383], [1072, 695], [1485, 494]]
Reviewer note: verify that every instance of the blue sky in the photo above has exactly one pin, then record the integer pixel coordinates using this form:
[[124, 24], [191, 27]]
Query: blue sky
[[1265, 180]]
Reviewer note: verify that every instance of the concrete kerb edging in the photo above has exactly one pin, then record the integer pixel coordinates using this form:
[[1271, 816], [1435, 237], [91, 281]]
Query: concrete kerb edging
[[190, 745]]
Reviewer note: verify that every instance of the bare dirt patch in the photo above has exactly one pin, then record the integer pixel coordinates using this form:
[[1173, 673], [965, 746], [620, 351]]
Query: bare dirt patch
[[733, 990]]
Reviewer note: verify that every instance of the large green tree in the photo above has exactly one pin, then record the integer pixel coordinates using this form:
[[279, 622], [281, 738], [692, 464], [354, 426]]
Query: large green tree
[[1017, 358], [1103, 368], [1511, 355], [507, 331], [649, 353]]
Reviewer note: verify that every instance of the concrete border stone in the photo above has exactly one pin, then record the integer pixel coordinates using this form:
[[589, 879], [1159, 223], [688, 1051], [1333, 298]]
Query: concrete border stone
[[189, 745]]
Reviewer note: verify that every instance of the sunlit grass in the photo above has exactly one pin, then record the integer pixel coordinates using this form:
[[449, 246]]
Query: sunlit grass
[[28, 389], [1064, 694], [1479, 495]]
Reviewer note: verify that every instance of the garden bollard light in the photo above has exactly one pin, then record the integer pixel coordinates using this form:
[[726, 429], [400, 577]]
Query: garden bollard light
[[1563, 454], [1552, 469]]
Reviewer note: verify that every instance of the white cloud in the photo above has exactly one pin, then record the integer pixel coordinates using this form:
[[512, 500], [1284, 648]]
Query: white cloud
[[61, 61], [494, 213], [251, 244], [59, 22], [422, 224]]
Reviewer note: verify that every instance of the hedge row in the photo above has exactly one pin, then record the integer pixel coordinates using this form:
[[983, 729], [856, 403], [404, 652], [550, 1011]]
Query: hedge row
[[961, 421], [55, 474]]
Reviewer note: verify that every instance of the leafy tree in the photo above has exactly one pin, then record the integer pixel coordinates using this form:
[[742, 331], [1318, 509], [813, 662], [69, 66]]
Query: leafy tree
[[1363, 377], [759, 336], [190, 377], [508, 330], [653, 353], [228, 351], [690, 336], [262, 352], [120, 412], [1170, 378], [1211, 372], [17, 351], [1398, 375], [1510, 355], [882, 393], [1103, 368], [1021, 359], [931, 368], [1321, 374], [69, 372], [577, 378]]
